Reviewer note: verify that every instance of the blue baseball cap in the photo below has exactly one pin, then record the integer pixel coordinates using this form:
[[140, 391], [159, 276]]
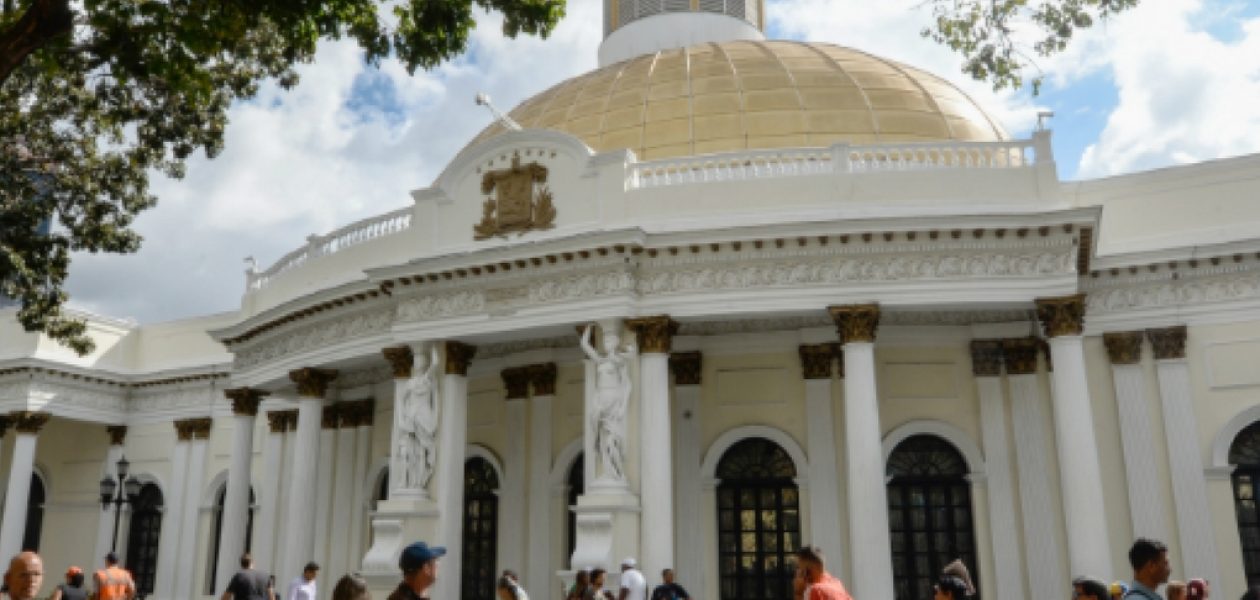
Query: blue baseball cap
[[414, 556]]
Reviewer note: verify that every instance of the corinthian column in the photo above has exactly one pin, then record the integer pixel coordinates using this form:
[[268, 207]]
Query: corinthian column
[[452, 444], [868, 496], [365, 413], [105, 525], [986, 365], [1089, 547], [199, 431], [656, 469], [168, 544], [344, 511], [299, 529], [513, 510], [27, 426], [538, 568], [329, 420], [1181, 431], [236, 499], [269, 497], [688, 370], [1137, 436], [823, 490]]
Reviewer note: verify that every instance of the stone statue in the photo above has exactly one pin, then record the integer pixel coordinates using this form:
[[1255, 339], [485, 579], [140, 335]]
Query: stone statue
[[612, 396], [417, 421]]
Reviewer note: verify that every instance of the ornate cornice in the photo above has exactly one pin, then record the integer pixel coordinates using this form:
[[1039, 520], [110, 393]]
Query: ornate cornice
[[816, 360], [1020, 355], [458, 356], [1169, 342], [1123, 347], [117, 434], [245, 400], [188, 429], [278, 421], [28, 421], [327, 332], [312, 382], [654, 334], [688, 367], [855, 322], [543, 377], [1062, 316], [986, 358], [400, 360], [516, 382]]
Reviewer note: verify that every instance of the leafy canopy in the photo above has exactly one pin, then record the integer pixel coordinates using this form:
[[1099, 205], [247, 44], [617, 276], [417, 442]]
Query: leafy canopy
[[95, 95], [984, 32]]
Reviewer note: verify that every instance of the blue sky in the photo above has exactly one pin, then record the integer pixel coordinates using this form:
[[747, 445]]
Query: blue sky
[[1173, 81]]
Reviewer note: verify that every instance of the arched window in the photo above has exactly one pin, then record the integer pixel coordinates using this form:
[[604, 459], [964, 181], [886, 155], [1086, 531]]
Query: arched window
[[577, 485], [929, 514], [1245, 453], [142, 538], [481, 519], [759, 521], [34, 513], [213, 568]]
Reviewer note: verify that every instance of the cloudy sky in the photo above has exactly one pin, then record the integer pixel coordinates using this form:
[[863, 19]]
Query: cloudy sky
[[1173, 81]]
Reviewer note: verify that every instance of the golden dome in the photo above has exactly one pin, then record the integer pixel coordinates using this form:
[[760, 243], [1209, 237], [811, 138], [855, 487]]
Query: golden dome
[[742, 95]]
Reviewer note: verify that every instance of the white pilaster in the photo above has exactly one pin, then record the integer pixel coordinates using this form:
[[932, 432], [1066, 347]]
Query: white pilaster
[[236, 499], [514, 509], [449, 484], [269, 496], [688, 371], [1089, 546], [1137, 436], [868, 497], [185, 585], [538, 570], [363, 488], [299, 541], [1003, 528], [656, 466], [824, 473], [324, 493], [283, 550], [17, 494], [105, 524], [344, 512], [168, 545]]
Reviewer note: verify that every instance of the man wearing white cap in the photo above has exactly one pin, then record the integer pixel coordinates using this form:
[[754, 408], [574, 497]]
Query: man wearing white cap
[[633, 585]]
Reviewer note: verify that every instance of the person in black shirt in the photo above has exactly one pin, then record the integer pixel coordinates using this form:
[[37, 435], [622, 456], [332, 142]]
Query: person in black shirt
[[669, 590], [248, 584]]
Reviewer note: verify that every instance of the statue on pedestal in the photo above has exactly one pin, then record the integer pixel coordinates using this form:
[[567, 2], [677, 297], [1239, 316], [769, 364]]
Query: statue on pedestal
[[417, 422], [612, 396]]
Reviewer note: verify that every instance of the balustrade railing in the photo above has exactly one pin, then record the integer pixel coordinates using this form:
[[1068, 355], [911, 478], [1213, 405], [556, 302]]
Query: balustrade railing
[[356, 233]]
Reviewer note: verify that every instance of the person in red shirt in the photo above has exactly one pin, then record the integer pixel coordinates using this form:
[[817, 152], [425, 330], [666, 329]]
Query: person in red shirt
[[813, 582]]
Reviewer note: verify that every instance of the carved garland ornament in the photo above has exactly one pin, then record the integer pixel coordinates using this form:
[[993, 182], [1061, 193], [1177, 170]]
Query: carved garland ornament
[[521, 201]]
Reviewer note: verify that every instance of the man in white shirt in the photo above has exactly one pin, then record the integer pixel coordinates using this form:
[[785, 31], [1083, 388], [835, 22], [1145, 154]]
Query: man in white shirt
[[303, 588], [633, 584]]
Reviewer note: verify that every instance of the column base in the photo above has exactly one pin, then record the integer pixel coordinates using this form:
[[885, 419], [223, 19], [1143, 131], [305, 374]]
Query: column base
[[607, 523], [395, 525]]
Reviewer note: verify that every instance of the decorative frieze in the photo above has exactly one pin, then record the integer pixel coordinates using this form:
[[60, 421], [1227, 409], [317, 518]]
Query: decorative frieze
[[986, 358], [855, 322], [245, 400], [516, 382], [1123, 347], [543, 377], [312, 382], [1020, 355], [1063, 315], [688, 367], [117, 434], [29, 421], [458, 357], [189, 429], [654, 334], [400, 360], [1169, 342], [816, 360], [318, 335]]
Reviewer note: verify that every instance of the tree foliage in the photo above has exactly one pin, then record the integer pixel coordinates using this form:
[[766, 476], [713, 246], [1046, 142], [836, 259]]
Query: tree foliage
[[987, 32], [96, 95]]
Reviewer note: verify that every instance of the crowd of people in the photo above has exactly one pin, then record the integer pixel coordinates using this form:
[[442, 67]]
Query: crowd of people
[[419, 565]]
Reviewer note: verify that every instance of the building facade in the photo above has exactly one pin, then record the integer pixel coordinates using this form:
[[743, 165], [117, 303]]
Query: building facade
[[718, 298]]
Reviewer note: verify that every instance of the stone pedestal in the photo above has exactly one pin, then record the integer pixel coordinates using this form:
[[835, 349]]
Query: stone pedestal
[[396, 524], [607, 525]]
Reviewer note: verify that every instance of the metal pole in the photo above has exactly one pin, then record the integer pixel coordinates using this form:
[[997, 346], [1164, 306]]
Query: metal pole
[[118, 502]]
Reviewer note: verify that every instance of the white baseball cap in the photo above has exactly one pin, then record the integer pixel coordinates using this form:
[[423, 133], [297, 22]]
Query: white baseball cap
[[628, 562]]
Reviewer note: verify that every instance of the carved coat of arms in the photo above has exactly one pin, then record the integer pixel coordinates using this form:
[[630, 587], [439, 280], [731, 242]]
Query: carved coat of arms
[[521, 201]]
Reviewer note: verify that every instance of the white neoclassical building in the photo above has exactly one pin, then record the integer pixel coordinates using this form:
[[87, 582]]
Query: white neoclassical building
[[829, 301]]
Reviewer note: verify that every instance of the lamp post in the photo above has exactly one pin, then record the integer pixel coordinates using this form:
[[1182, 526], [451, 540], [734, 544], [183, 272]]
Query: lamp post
[[127, 493]]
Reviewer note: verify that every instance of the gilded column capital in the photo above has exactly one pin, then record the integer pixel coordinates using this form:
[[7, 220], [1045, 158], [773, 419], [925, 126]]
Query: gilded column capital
[[458, 356], [5, 423], [986, 358], [543, 376], [363, 411], [654, 334], [1123, 347], [312, 382], [516, 382], [330, 416], [28, 421], [855, 322], [1062, 316], [117, 434], [290, 419], [400, 360], [188, 429], [245, 400], [1168, 342], [816, 360], [688, 367], [277, 421], [1020, 355]]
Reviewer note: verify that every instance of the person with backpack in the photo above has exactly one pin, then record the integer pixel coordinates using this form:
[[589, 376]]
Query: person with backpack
[[1149, 559], [669, 590], [113, 582], [73, 588]]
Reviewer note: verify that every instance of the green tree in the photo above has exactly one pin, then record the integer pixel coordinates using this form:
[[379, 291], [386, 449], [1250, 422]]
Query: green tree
[[988, 33], [96, 95]]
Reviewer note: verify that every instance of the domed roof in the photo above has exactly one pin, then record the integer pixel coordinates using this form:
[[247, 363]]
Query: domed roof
[[739, 95]]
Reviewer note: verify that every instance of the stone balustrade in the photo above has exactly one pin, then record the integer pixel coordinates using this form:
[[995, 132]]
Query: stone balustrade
[[364, 230]]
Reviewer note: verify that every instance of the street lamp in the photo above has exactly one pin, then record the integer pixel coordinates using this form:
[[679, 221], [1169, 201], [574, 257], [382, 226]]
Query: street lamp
[[128, 493]]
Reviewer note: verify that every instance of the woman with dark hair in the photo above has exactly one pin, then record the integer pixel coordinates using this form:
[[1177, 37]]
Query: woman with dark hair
[[73, 588], [949, 587], [580, 583], [351, 586]]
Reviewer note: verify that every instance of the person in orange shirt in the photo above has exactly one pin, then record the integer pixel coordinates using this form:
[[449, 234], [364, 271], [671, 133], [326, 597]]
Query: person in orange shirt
[[812, 581], [113, 582]]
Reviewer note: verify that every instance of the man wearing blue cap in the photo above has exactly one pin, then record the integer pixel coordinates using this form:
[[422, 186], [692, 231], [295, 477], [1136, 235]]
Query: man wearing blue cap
[[419, 568]]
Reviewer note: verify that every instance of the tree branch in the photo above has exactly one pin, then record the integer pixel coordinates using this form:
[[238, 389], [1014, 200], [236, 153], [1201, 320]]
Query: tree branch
[[43, 22]]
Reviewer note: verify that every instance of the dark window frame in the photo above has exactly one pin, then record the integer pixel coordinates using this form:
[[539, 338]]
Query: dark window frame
[[759, 521], [480, 539], [1244, 454], [212, 572], [144, 535]]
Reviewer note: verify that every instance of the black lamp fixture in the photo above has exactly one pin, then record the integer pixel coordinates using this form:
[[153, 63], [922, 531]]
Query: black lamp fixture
[[128, 494]]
